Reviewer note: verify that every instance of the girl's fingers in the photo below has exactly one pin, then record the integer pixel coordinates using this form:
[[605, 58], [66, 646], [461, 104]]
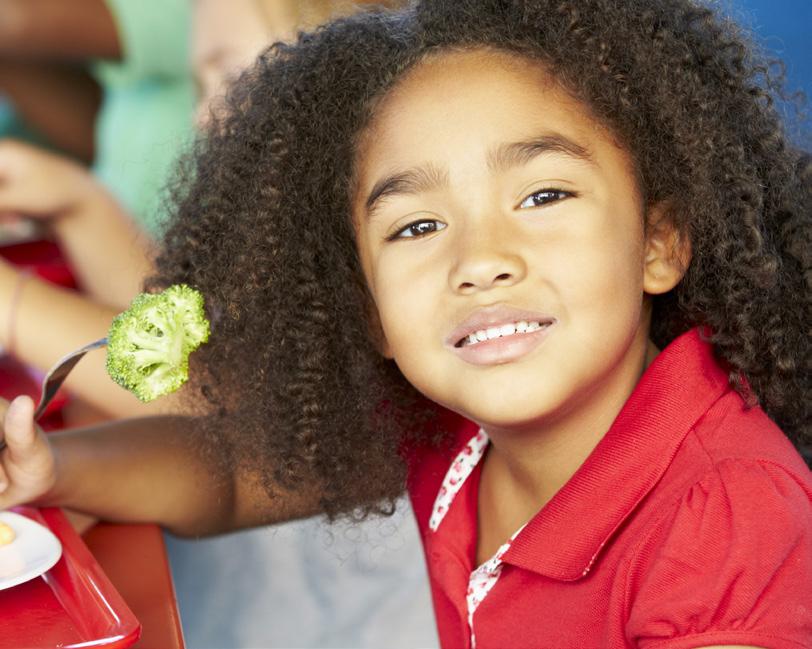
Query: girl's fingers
[[27, 462], [20, 432]]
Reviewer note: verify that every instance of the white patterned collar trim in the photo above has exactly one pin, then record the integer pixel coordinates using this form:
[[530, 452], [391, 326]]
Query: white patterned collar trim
[[457, 474]]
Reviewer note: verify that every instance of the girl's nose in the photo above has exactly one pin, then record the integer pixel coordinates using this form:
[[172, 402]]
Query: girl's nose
[[485, 266]]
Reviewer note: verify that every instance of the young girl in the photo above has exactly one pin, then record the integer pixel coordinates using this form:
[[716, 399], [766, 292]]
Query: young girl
[[498, 213]]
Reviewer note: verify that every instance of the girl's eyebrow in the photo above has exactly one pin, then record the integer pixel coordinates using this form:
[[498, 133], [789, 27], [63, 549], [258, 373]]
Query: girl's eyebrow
[[514, 154], [428, 177], [410, 181]]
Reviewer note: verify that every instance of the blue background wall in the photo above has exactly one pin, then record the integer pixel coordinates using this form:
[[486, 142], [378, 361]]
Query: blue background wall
[[785, 27]]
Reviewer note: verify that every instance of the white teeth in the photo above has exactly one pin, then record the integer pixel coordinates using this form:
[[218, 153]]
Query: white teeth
[[522, 326]]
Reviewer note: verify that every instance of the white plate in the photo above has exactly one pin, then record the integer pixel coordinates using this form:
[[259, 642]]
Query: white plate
[[33, 551]]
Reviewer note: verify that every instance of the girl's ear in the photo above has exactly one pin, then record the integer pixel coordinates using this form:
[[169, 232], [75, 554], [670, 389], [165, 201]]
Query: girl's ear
[[668, 251]]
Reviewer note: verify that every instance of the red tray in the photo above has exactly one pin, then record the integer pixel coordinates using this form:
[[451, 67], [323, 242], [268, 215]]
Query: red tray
[[72, 605]]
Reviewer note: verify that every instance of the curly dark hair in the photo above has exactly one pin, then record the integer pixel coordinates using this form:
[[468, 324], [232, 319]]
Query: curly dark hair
[[261, 224]]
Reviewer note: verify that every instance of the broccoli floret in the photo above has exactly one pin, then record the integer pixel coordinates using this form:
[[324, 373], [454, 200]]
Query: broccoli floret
[[148, 345]]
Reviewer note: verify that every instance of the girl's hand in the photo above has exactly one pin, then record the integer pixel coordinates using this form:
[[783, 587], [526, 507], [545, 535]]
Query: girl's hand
[[27, 463], [41, 185]]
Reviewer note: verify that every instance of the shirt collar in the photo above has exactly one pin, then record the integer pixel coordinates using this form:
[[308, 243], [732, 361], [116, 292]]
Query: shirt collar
[[674, 392]]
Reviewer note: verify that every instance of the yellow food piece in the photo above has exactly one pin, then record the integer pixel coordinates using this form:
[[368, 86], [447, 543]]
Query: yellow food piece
[[6, 534]]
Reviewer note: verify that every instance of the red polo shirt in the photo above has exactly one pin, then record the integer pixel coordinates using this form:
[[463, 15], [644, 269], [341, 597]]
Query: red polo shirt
[[690, 524]]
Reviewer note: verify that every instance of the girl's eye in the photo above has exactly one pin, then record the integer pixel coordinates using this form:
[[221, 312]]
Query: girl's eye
[[417, 229], [544, 197]]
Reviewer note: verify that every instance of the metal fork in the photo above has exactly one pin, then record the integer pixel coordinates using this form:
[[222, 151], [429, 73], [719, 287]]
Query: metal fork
[[59, 372], [56, 377]]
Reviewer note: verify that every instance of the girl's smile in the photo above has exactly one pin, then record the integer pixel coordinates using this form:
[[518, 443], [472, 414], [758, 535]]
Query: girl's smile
[[501, 231], [498, 334]]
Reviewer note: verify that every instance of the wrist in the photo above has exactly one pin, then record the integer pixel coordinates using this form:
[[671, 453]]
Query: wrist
[[54, 493], [13, 282], [87, 206]]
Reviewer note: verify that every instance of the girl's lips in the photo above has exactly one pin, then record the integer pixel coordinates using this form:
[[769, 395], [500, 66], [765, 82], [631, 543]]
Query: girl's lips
[[495, 315], [498, 351]]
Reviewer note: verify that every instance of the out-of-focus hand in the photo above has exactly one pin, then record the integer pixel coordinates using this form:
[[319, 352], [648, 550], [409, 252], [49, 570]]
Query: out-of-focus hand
[[27, 463], [37, 184]]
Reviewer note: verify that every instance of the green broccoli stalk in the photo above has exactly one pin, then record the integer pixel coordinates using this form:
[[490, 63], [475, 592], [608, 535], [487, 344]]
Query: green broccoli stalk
[[148, 345]]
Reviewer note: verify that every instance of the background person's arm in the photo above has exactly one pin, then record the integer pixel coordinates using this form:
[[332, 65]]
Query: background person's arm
[[44, 46], [60, 102], [108, 253], [74, 31], [47, 322], [41, 322]]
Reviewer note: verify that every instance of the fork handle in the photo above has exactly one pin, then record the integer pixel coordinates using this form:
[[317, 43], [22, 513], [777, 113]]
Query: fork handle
[[59, 372], [56, 376]]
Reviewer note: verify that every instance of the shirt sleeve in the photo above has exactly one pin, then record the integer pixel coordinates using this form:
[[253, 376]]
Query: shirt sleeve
[[730, 564]]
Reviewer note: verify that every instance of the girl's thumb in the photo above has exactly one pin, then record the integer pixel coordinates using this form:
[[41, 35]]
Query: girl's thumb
[[19, 429]]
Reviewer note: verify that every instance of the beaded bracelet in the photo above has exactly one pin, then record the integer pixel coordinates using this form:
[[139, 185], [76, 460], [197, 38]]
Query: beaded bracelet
[[22, 279]]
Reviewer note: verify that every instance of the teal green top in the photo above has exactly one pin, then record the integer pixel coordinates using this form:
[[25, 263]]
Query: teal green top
[[147, 113], [12, 126]]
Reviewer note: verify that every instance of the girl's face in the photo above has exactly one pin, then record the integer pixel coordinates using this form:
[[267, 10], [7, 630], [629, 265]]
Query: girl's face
[[501, 232]]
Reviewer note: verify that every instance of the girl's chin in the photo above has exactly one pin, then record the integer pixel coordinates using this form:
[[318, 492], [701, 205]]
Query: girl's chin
[[512, 421]]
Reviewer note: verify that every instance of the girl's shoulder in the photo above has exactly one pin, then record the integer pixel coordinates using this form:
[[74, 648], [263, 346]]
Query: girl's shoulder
[[729, 561], [730, 430], [735, 482], [733, 464], [722, 552]]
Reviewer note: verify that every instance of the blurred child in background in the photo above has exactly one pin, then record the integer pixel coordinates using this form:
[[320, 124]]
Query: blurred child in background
[[303, 570]]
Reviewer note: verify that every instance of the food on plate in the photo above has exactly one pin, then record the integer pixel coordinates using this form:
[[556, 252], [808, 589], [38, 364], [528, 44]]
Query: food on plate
[[7, 534], [148, 345]]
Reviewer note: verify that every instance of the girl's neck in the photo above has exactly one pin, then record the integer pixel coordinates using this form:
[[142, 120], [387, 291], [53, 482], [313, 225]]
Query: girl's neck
[[523, 470], [531, 469]]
